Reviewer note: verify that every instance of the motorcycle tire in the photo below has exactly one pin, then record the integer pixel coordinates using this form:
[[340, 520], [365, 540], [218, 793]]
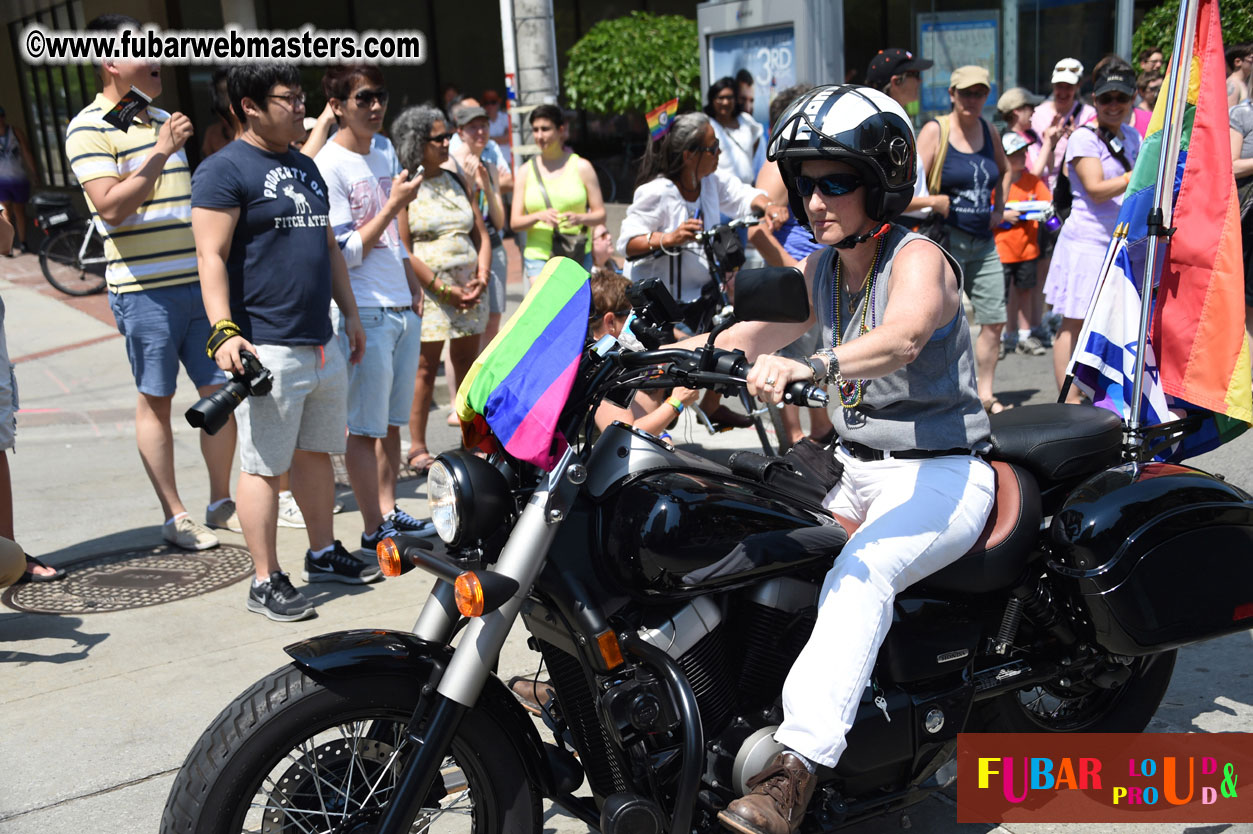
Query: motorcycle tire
[[292, 754], [58, 258], [1054, 708]]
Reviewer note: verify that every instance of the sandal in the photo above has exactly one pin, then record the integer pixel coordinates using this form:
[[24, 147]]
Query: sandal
[[419, 461], [994, 406], [31, 576]]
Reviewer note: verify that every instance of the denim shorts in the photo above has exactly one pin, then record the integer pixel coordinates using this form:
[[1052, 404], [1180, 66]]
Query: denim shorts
[[306, 409], [982, 276], [380, 387], [161, 327]]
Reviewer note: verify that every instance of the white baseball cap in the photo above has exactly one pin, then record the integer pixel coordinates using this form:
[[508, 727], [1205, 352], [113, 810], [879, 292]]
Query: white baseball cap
[[1067, 71], [1013, 142]]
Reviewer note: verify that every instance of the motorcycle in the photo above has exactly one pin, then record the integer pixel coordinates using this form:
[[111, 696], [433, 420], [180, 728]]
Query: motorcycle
[[669, 595]]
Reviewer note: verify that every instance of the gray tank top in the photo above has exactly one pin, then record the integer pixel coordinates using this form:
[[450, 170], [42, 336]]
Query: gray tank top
[[931, 403]]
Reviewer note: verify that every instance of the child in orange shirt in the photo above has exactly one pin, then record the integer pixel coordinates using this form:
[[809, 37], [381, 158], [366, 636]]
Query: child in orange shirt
[[1019, 249]]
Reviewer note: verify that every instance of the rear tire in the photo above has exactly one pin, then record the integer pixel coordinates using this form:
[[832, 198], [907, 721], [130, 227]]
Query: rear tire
[[58, 258], [293, 754], [1052, 708]]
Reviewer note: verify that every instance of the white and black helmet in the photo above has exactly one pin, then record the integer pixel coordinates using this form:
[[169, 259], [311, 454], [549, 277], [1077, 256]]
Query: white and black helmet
[[858, 126]]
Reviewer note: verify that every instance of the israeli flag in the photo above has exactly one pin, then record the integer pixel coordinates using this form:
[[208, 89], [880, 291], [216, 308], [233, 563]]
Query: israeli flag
[[1104, 362]]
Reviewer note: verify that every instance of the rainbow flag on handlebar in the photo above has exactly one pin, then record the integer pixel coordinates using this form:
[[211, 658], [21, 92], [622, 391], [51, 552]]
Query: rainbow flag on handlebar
[[518, 386]]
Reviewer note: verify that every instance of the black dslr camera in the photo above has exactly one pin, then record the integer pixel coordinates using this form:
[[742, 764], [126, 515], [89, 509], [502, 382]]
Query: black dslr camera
[[212, 412]]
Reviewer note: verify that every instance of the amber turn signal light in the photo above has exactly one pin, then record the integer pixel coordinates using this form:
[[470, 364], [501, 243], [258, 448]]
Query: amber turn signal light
[[389, 558], [468, 591], [610, 651]]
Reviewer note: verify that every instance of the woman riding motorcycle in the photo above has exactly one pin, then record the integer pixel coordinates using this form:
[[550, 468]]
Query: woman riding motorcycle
[[909, 422]]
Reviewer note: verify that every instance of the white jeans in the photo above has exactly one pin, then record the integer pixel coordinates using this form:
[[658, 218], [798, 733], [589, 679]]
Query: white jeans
[[916, 517]]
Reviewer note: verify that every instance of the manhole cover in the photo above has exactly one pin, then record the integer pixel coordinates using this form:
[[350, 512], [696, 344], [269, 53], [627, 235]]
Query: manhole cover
[[133, 579]]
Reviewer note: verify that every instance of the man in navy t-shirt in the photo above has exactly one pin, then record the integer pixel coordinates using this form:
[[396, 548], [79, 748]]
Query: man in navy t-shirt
[[269, 267]]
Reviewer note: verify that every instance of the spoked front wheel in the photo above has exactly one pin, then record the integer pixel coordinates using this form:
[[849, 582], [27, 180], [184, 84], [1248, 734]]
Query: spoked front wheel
[[59, 259], [293, 755]]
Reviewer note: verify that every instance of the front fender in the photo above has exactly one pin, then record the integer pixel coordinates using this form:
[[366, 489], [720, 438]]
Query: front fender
[[343, 654]]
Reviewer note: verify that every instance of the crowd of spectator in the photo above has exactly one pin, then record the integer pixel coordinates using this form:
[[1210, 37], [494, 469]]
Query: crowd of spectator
[[352, 254]]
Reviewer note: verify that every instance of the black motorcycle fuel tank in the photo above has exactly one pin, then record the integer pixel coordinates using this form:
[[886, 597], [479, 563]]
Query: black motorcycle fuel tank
[[675, 524], [1161, 554]]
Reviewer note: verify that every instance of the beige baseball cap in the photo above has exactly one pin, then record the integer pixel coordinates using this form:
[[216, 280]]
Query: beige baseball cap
[[1016, 97], [969, 76]]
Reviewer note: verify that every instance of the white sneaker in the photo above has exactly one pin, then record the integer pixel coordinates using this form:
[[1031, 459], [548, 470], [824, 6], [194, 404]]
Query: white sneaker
[[189, 534], [224, 517], [289, 514]]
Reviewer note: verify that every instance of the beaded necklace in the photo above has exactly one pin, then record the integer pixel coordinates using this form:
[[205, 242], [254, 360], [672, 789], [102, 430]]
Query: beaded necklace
[[851, 391]]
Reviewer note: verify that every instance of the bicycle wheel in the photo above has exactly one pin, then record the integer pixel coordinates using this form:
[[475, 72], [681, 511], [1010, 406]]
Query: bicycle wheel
[[58, 258]]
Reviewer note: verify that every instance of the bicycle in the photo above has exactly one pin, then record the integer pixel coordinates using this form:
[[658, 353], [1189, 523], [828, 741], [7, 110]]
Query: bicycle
[[723, 255], [72, 255]]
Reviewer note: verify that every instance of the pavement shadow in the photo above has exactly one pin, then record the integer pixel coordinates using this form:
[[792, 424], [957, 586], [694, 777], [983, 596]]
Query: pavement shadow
[[137, 538], [23, 627], [334, 590], [1017, 397]]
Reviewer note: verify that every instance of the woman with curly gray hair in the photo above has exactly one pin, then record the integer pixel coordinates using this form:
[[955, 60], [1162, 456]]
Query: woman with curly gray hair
[[451, 254], [681, 189]]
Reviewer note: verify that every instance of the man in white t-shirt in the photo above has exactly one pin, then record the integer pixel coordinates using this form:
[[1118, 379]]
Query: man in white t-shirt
[[369, 195]]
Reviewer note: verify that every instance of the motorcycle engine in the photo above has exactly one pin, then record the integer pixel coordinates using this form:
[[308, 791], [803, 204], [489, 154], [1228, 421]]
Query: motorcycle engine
[[736, 664]]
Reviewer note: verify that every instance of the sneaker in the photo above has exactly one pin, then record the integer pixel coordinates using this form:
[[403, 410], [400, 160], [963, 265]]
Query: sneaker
[[1031, 346], [1003, 351], [224, 517], [1043, 336], [289, 514], [370, 541], [188, 534], [279, 600], [339, 566], [405, 523]]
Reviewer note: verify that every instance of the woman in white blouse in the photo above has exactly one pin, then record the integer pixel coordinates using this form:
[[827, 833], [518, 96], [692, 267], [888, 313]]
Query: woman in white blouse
[[679, 192], [741, 136]]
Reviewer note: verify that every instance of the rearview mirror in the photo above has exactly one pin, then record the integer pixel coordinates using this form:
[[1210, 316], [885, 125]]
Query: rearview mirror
[[776, 293]]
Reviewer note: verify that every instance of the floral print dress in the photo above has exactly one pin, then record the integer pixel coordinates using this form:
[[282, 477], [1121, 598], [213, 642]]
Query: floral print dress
[[440, 221]]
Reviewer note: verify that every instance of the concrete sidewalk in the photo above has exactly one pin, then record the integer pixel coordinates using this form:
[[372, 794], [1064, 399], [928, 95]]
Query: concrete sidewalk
[[101, 709]]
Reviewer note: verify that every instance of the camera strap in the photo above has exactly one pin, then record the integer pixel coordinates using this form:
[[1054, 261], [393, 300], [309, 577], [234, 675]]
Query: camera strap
[[223, 332]]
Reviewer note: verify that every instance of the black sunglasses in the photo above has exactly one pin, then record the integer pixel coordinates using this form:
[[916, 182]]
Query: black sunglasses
[[832, 185], [710, 149], [365, 98], [441, 137], [1110, 98]]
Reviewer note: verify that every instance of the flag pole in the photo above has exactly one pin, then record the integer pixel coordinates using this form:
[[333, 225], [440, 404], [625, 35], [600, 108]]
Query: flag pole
[[1111, 251], [1163, 190]]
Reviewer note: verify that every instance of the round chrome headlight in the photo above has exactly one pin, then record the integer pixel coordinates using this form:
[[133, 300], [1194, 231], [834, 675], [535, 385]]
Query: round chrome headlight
[[441, 490]]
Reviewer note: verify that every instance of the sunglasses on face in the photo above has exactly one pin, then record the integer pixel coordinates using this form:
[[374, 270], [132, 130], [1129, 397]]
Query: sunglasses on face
[[365, 98], [973, 92], [832, 185], [441, 137], [911, 74], [1112, 98], [714, 149]]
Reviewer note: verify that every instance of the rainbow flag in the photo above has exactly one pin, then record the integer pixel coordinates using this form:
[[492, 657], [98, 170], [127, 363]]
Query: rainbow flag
[[1198, 336], [659, 119], [518, 386]]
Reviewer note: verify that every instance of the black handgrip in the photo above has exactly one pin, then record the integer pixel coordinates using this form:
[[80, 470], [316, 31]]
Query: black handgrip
[[801, 392]]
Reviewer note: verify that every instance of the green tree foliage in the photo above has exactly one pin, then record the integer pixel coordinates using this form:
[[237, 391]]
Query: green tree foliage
[[1158, 27], [635, 63]]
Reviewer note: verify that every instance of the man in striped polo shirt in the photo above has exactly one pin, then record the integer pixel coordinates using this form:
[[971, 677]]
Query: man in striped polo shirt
[[138, 187]]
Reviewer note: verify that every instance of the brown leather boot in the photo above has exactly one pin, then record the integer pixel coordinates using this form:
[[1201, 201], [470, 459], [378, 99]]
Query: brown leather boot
[[533, 694], [777, 799]]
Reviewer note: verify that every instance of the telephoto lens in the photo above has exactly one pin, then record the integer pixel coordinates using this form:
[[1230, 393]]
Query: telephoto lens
[[211, 413]]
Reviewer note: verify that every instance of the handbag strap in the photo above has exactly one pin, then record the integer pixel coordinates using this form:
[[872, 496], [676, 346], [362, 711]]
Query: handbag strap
[[1119, 154], [937, 165]]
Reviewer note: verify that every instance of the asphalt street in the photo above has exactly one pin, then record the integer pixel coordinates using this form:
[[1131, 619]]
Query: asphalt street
[[100, 709]]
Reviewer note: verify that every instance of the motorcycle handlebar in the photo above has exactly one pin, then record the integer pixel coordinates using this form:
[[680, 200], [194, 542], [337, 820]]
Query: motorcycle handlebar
[[729, 368], [702, 236]]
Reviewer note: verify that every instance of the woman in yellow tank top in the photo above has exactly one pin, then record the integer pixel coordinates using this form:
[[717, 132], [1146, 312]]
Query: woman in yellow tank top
[[573, 192]]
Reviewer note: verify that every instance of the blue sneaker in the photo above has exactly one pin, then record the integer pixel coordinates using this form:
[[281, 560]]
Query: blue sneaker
[[405, 523]]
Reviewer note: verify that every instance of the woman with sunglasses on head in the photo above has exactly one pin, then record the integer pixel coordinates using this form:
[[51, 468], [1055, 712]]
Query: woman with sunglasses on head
[[965, 150], [679, 190], [897, 356], [1099, 159], [450, 253], [555, 192]]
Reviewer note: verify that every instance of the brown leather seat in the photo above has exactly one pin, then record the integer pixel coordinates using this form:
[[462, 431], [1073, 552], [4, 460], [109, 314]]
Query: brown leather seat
[[1003, 548]]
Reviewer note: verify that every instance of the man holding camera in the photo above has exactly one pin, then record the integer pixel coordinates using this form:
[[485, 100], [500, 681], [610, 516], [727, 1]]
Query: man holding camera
[[269, 266], [128, 156]]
